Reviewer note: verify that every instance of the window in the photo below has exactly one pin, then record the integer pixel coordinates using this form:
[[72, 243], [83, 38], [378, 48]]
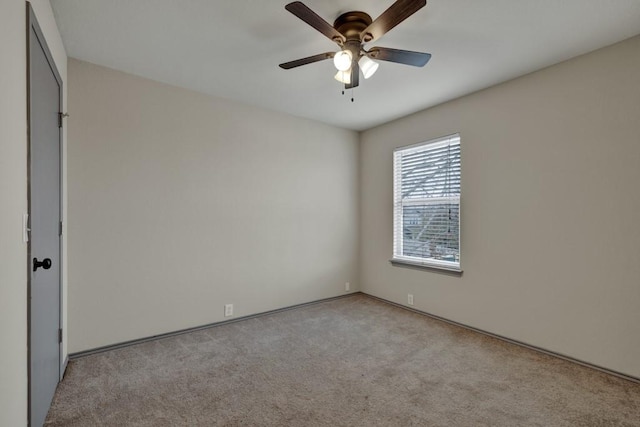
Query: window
[[426, 196]]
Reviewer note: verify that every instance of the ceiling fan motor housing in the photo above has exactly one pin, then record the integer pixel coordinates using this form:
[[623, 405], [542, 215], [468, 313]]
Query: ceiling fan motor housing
[[351, 25]]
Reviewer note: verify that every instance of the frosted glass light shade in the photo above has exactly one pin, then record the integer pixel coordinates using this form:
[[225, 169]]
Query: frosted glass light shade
[[343, 77], [368, 66], [342, 60]]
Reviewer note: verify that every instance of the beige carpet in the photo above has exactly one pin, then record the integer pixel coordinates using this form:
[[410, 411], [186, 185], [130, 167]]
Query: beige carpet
[[354, 361]]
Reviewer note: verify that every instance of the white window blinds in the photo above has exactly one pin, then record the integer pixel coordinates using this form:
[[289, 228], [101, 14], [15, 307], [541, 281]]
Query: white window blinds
[[427, 203]]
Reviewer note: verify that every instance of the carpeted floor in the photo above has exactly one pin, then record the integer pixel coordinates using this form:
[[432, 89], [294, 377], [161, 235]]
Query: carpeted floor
[[354, 361]]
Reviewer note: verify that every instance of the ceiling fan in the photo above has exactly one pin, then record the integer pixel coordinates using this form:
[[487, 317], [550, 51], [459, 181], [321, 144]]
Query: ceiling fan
[[351, 31]]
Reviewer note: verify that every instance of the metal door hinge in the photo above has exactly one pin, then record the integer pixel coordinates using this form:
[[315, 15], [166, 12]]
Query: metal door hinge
[[60, 229], [59, 335], [60, 117]]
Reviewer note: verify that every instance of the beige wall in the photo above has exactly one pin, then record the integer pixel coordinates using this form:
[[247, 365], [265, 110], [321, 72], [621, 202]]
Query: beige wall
[[13, 203], [550, 202], [180, 203], [13, 199]]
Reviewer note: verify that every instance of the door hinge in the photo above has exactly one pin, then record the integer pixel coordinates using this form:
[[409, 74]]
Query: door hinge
[[60, 336], [60, 229], [60, 117]]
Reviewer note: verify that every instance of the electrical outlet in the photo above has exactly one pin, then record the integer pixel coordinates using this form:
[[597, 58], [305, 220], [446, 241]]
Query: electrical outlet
[[410, 299], [228, 310], [347, 287]]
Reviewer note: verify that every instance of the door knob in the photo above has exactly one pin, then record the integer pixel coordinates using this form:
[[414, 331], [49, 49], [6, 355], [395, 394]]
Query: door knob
[[45, 263]]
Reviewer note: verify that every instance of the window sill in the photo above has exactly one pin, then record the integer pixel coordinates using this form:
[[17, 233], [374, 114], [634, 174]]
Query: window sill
[[426, 266]]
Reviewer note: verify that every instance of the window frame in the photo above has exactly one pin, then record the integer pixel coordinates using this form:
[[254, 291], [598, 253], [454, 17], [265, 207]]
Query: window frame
[[399, 204]]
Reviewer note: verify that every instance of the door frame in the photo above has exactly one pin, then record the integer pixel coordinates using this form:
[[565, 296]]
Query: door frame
[[32, 23]]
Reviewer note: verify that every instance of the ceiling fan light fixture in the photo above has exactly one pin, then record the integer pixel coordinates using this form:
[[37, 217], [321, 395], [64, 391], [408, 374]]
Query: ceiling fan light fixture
[[368, 66], [342, 60], [343, 76]]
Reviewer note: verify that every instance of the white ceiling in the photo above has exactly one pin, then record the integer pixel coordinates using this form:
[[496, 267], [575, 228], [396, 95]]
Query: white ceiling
[[232, 48]]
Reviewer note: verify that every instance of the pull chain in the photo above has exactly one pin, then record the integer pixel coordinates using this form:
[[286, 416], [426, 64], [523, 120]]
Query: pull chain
[[352, 98]]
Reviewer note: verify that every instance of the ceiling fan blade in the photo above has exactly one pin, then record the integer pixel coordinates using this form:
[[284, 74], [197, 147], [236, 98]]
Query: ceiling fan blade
[[307, 60], [397, 12], [311, 18], [407, 57]]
